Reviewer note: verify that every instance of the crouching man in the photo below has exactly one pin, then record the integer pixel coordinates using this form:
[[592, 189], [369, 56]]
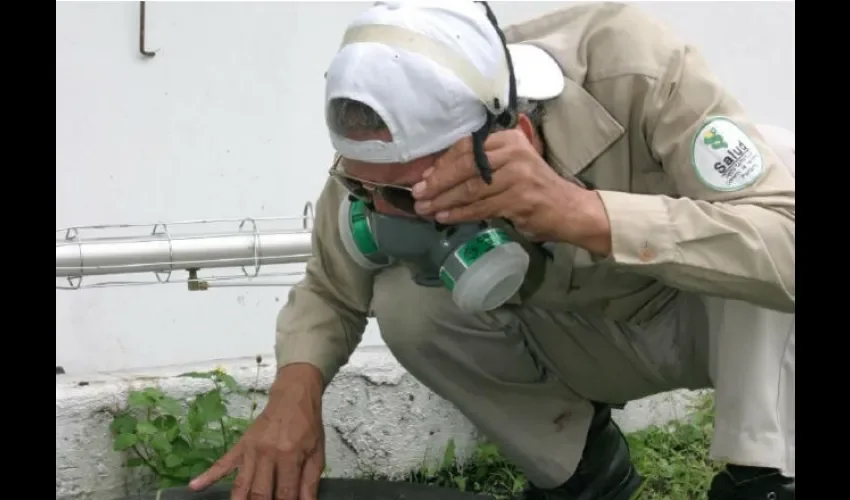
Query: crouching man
[[546, 226]]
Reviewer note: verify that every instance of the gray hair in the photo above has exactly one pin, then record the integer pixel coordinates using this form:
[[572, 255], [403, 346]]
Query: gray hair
[[347, 116]]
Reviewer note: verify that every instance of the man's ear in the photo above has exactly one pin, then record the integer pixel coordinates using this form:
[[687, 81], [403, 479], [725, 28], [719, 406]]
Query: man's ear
[[528, 129], [523, 122]]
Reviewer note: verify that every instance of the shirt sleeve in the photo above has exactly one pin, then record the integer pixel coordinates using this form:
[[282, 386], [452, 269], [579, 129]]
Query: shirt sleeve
[[730, 231], [326, 313]]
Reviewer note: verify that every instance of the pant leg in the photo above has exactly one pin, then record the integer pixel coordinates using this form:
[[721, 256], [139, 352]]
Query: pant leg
[[752, 367], [482, 365]]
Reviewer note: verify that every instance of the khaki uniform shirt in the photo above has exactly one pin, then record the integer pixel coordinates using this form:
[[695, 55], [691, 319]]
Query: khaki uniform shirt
[[696, 199]]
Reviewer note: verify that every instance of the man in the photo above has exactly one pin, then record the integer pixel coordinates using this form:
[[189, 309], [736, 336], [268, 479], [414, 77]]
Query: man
[[655, 244]]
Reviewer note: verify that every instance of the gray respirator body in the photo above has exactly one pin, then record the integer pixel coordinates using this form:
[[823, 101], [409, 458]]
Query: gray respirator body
[[480, 264]]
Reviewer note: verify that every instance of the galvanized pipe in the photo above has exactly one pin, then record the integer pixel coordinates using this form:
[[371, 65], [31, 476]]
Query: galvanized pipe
[[161, 253], [161, 249]]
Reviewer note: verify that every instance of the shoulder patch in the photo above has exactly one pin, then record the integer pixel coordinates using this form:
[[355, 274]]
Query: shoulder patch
[[724, 156]]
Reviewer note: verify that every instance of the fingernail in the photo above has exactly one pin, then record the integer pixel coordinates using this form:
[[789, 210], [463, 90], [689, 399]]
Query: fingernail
[[428, 172], [418, 188], [442, 216], [422, 206]]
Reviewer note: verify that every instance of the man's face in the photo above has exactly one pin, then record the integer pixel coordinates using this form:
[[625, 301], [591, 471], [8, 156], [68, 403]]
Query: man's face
[[407, 174], [395, 174]]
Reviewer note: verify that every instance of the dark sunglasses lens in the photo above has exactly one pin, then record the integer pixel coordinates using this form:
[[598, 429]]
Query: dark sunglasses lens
[[356, 187], [401, 199]]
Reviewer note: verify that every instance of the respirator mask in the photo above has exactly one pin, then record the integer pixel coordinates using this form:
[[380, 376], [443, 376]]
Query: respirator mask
[[478, 262]]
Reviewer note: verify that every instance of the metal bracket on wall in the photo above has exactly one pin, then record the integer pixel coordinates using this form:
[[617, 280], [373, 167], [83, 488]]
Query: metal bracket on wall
[[142, 49]]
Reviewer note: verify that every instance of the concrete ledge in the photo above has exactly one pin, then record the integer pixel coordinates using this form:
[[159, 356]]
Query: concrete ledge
[[377, 418]]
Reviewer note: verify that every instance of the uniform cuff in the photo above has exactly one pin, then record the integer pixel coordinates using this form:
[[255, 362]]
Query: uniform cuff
[[641, 229], [295, 348]]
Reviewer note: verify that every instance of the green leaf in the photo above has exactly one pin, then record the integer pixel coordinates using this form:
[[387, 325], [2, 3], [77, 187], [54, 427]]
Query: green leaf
[[460, 483], [173, 460], [184, 472], [198, 468], [449, 454], [122, 424], [167, 482], [206, 375], [488, 451], [211, 406], [180, 445], [161, 443], [134, 462], [138, 399], [146, 428], [124, 441], [172, 433], [170, 406], [195, 418], [229, 382], [213, 437], [153, 393], [165, 422], [204, 455]]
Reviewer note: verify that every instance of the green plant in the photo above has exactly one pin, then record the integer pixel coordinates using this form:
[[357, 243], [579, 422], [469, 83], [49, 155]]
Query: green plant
[[177, 440], [486, 471], [673, 459]]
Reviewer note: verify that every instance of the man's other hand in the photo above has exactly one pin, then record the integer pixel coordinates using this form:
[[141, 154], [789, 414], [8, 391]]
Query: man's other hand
[[540, 203]]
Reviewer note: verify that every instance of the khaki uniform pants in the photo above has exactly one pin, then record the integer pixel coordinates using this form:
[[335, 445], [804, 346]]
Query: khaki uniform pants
[[524, 375]]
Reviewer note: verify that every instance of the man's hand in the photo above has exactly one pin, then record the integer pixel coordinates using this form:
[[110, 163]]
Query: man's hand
[[282, 455], [525, 190]]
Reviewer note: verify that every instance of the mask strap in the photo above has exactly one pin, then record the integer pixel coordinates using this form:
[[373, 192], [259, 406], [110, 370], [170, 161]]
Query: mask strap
[[507, 118]]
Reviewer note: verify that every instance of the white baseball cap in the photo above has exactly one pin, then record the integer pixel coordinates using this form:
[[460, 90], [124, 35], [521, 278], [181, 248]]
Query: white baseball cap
[[429, 69]]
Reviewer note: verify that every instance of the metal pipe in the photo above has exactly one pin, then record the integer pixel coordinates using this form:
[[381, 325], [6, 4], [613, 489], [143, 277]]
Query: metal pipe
[[161, 253]]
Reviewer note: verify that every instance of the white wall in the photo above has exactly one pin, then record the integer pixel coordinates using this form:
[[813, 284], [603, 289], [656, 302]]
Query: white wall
[[225, 122]]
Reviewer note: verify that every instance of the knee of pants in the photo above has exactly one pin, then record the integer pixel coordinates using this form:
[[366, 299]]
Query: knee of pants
[[431, 337], [411, 317]]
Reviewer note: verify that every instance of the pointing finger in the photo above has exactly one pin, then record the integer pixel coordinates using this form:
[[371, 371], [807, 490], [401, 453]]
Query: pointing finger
[[218, 470]]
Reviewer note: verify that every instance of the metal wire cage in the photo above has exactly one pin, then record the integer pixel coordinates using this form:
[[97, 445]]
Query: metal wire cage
[[175, 252]]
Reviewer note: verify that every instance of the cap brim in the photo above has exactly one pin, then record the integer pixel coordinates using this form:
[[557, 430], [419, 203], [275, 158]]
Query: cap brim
[[538, 75]]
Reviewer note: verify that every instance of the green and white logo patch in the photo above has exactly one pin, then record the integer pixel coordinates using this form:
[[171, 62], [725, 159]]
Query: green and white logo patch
[[724, 156]]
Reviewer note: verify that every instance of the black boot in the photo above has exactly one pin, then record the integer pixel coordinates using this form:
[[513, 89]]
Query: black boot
[[605, 471], [751, 483]]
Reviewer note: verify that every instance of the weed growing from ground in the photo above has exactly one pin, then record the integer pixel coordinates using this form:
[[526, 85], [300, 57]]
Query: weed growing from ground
[[177, 440]]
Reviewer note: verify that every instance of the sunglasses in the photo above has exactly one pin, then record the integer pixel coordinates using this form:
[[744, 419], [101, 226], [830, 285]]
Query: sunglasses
[[400, 197]]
